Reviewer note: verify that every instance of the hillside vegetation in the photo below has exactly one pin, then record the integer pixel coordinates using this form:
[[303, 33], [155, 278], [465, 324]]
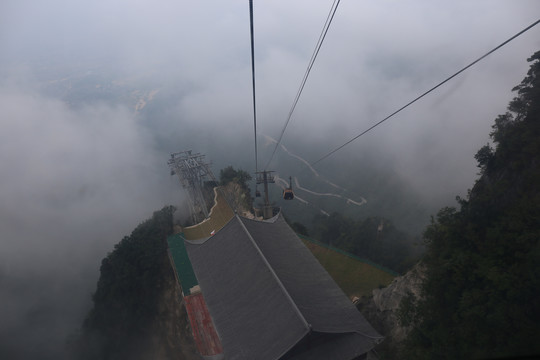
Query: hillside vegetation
[[355, 277], [374, 238], [136, 311], [481, 296]]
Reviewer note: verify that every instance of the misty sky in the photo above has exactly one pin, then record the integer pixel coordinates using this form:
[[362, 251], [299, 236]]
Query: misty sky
[[76, 176]]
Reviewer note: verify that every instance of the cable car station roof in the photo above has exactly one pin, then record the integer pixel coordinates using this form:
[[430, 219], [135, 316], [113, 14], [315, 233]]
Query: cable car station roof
[[271, 299]]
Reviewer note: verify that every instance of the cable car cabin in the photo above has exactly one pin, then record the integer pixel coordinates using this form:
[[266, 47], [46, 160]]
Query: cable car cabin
[[288, 194]]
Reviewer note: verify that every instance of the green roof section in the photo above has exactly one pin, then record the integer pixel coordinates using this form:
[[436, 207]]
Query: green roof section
[[182, 265]]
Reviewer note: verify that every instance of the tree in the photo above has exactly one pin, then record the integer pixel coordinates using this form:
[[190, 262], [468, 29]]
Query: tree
[[300, 228], [121, 323], [229, 174], [373, 238], [480, 296], [235, 184], [483, 157]]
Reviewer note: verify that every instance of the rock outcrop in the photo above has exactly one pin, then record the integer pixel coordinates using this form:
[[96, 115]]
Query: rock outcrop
[[381, 309], [172, 337]]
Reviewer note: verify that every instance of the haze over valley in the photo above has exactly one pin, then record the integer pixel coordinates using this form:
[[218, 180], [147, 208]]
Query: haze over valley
[[95, 96]]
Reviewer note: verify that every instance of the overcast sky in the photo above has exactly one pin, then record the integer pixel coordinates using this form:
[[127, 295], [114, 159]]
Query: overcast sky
[[74, 180]]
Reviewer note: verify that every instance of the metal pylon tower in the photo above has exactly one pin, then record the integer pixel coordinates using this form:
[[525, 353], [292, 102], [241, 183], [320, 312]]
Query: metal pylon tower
[[266, 177], [192, 171]]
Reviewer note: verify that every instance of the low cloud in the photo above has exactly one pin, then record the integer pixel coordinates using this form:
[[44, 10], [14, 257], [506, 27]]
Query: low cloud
[[77, 175], [73, 183]]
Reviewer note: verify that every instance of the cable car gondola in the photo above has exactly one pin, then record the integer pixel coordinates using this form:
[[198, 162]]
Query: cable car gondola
[[288, 193]]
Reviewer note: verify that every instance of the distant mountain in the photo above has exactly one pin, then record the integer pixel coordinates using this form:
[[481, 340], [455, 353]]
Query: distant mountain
[[358, 187], [157, 101]]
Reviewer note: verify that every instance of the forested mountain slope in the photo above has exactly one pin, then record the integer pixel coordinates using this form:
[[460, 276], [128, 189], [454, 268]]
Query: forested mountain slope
[[481, 296], [137, 311]]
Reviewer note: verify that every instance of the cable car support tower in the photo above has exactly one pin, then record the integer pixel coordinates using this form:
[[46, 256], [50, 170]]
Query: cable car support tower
[[266, 177], [192, 172]]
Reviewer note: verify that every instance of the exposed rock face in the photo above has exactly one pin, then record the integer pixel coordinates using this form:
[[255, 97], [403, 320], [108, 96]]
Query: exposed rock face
[[388, 299], [172, 336], [381, 309]]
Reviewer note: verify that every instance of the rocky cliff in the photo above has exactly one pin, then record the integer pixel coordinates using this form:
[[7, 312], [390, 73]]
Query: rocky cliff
[[382, 309]]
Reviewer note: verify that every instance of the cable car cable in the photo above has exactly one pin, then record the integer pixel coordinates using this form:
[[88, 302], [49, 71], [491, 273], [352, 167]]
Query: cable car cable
[[253, 81], [427, 92], [322, 36], [312, 164]]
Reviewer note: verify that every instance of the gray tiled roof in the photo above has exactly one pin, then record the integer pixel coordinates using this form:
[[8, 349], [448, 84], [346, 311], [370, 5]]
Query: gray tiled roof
[[267, 294]]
